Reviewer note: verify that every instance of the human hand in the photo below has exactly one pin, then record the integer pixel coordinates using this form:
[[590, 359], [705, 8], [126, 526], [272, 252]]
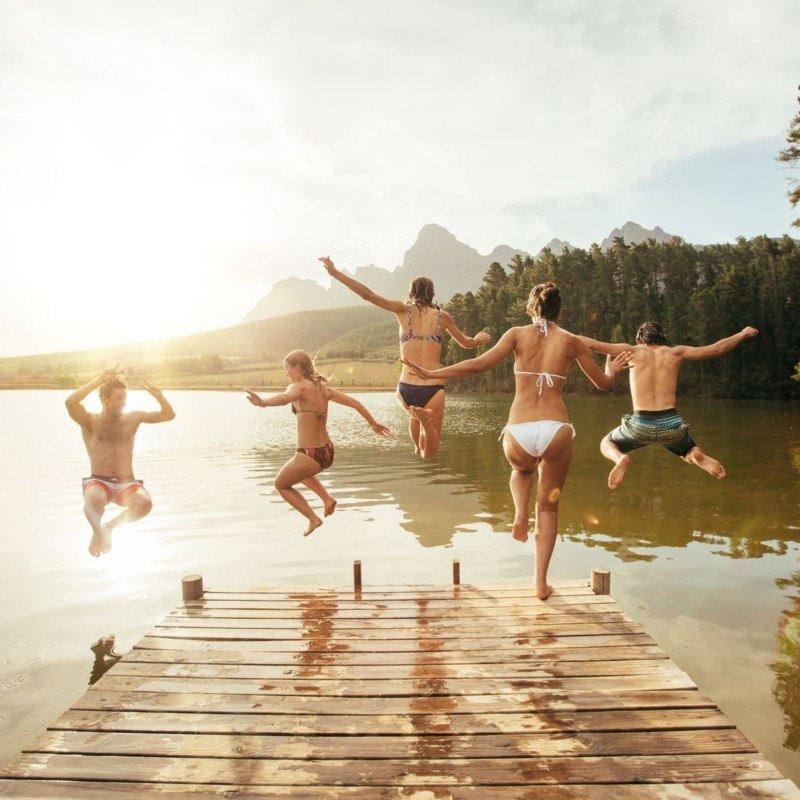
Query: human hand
[[328, 264], [749, 332], [619, 362], [416, 368], [110, 373], [484, 337], [381, 430], [253, 397], [149, 387]]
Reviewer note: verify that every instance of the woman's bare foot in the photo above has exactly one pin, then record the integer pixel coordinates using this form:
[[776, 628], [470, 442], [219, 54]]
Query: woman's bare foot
[[520, 530], [543, 595], [330, 507], [422, 414], [706, 463], [313, 524], [617, 474]]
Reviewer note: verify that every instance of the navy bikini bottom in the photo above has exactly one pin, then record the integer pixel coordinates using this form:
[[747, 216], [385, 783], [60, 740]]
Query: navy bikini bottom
[[420, 396]]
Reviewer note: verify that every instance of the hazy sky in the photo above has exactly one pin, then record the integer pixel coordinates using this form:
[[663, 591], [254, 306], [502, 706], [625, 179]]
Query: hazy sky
[[163, 163]]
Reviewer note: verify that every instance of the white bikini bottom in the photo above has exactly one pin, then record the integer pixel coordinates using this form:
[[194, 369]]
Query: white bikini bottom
[[535, 437]]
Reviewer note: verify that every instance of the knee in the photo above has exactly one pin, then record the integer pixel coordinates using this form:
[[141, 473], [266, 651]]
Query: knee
[[281, 484], [144, 505], [523, 470]]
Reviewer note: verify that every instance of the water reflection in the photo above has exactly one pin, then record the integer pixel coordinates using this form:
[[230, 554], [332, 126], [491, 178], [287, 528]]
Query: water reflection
[[787, 667]]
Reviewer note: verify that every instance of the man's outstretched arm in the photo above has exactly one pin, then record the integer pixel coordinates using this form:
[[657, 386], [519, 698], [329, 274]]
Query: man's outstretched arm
[[165, 413], [720, 348], [73, 402]]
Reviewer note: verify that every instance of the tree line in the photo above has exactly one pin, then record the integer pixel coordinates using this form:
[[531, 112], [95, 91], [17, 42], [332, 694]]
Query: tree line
[[699, 293]]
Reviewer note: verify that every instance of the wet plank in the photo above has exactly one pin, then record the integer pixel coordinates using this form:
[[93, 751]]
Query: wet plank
[[89, 790], [405, 772], [632, 720]]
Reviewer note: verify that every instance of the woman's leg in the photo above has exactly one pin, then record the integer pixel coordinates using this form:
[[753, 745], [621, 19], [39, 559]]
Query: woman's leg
[[296, 470], [523, 465], [321, 492], [553, 468], [431, 418]]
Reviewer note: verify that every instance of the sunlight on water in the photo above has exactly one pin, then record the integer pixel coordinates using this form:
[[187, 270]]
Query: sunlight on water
[[711, 568]]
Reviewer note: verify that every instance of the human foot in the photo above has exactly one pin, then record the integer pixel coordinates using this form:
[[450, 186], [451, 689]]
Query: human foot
[[313, 524], [545, 593], [520, 530], [617, 474], [330, 507], [422, 414], [101, 541], [709, 465], [106, 532]]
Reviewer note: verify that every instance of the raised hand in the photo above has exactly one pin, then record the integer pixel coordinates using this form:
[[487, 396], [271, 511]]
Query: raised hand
[[416, 368], [483, 337], [253, 397], [328, 264], [110, 373], [619, 362], [750, 331], [149, 387], [381, 430]]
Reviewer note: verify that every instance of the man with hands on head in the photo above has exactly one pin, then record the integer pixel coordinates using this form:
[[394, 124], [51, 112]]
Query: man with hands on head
[[109, 438]]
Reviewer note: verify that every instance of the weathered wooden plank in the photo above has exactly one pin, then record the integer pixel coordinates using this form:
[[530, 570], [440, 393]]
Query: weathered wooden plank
[[431, 682], [417, 772], [391, 747], [312, 659], [559, 722], [454, 704], [175, 639], [400, 589], [88, 790], [377, 594], [361, 612], [229, 629], [554, 669]]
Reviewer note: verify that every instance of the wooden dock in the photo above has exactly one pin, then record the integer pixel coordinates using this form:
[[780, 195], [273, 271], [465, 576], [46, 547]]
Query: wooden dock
[[421, 693]]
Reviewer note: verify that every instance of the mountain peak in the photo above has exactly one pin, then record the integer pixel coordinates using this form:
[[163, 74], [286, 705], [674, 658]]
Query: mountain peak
[[633, 233]]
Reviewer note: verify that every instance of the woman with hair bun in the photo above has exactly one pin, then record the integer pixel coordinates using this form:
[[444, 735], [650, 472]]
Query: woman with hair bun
[[538, 436], [309, 396], [422, 326]]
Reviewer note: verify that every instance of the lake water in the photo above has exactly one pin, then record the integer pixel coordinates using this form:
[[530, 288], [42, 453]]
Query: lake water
[[711, 568]]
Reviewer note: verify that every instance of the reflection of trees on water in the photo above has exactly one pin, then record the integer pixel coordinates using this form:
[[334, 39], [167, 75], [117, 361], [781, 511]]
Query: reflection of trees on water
[[787, 667]]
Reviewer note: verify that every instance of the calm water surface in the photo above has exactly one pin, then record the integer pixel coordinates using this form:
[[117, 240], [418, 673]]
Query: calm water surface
[[710, 568]]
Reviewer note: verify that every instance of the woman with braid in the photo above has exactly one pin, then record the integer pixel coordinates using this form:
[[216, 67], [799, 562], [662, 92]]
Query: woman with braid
[[422, 326], [309, 395]]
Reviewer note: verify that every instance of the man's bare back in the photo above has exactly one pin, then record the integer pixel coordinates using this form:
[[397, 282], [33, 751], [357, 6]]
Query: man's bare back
[[109, 438], [654, 368]]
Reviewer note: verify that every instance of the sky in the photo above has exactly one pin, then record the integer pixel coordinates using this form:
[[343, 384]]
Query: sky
[[163, 163]]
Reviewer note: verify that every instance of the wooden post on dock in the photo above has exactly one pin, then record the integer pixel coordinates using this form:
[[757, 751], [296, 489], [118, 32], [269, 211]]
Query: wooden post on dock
[[356, 576], [192, 587], [456, 572], [601, 581]]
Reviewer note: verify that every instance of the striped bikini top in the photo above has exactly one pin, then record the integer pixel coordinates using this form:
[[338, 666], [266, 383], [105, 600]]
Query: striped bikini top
[[434, 337]]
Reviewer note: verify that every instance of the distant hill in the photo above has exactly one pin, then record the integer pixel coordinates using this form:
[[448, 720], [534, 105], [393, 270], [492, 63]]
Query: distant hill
[[556, 246], [268, 339], [453, 266], [378, 340], [632, 233]]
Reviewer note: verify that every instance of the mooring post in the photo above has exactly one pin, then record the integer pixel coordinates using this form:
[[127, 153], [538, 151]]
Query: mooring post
[[192, 587], [456, 572], [356, 576], [601, 581]]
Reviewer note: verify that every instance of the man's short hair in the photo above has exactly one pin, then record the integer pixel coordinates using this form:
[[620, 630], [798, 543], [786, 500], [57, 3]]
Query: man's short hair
[[107, 389], [651, 333]]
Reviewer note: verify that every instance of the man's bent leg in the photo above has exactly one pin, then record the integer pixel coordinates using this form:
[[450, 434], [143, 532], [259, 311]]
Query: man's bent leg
[[621, 460], [710, 465], [95, 499], [136, 504]]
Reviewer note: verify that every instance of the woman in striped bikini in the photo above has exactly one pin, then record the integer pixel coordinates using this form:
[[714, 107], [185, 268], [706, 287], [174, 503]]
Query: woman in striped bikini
[[422, 327], [538, 435], [309, 396]]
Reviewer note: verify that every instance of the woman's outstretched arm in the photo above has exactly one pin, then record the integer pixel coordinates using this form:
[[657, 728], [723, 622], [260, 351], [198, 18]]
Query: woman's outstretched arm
[[602, 379], [291, 394], [335, 396], [467, 342], [607, 348], [470, 366], [364, 292]]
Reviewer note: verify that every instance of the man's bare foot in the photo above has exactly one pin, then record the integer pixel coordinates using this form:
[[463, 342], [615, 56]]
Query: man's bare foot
[[101, 541], [520, 530], [313, 524], [330, 507], [710, 465], [617, 474], [543, 595]]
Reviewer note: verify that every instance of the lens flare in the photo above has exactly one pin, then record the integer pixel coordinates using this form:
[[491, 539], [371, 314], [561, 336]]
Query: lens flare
[[591, 519], [554, 495]]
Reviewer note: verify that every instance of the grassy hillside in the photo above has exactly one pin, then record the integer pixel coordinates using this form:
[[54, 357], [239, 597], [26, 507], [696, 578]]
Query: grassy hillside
[[378, 341]]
